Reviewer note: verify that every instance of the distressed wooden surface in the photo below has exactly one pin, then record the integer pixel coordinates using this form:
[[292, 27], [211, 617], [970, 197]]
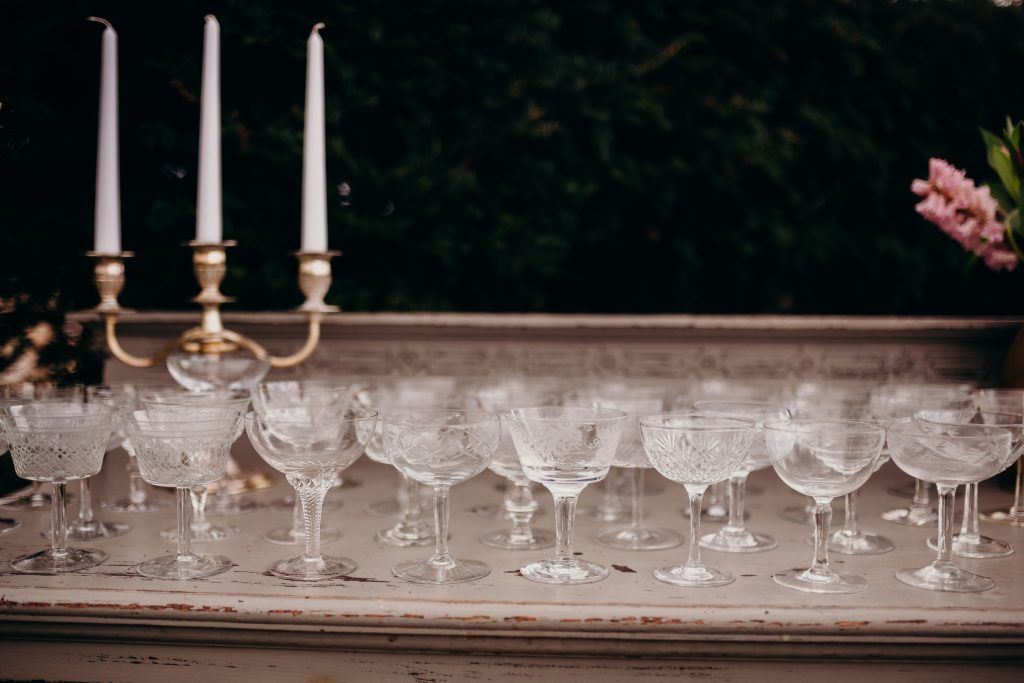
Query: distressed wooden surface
[[108, 623], [686, 347]]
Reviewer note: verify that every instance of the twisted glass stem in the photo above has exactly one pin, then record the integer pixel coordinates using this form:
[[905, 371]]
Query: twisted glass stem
[[921, 500], [311, 491], [136, 487]]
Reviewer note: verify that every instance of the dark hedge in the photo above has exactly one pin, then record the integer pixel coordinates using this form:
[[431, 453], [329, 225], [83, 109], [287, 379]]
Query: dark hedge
[[649, 156]]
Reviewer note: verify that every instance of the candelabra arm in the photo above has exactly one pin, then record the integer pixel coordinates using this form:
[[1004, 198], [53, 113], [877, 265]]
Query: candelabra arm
[[312, 339], [127, 358], [314, 281]]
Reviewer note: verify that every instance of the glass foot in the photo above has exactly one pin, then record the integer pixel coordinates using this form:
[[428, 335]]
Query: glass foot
[[198, 566], [29, 502], [385, 508], [404, 535], [46, 562], [299, 569], [8, 525], [506, 540], [564, 571], [639, 538], [831, 582], [798, 514], [455, 571], [93, 530], [693, 576], [858, 543], [607, 515], [945, 576], [978, 547], [229, 506], [731, 540], [129, 506], [1009, 517], [286, 536], [207, 535], [912, 516]]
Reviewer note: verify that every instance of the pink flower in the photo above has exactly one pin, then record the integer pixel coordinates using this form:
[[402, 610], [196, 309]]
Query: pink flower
[[968, 214]]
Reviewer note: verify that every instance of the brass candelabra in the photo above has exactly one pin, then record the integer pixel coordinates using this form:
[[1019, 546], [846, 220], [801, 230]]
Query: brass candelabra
[[210, 337]]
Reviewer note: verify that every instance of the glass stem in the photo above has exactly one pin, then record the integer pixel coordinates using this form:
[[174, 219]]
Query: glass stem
[[312, 491], [185, 505], [969, 525], [1017, 509], [819, 569], [298, 518], [696, 495], [198, 494], [520, 507], [136, 489], [636, 480], [947, 504], [737, 491], [85, 513], [851, 514], [565, 513], [921, 497], [59, 521], [441, 555]]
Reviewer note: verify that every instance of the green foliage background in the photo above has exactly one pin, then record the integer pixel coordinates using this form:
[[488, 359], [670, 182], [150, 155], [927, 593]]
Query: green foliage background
[[508, 155]]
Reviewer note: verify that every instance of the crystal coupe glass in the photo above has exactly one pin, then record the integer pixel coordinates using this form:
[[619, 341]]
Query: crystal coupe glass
[[311, 443], [404, 394], [441, 448], [734, 537], [564, 449], [969, 542], [203, 531], [518, 503], [302, 398], [34, 497], [128, 398], [183, 449], [695, 451], [948, 456], [1006, 401], [823, 458], [58, 442], [896, 401], [632, 459]]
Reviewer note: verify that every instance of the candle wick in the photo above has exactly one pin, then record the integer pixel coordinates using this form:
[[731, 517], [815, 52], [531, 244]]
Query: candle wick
[[317, 26], [209, 17], [100, 20]]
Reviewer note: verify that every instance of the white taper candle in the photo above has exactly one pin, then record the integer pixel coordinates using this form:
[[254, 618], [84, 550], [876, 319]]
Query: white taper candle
[[208, 196], [314, 159], [108, 176]]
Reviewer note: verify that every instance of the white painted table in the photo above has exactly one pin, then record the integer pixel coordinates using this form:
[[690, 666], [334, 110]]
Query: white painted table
[[109, 624]]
